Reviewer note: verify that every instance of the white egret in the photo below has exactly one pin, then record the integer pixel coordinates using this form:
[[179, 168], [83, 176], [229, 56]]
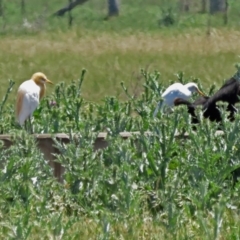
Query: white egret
[[29, 94], [176, 90]]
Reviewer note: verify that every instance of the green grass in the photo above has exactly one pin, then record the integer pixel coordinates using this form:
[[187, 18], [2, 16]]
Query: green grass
[[110, 59], [114, 51]]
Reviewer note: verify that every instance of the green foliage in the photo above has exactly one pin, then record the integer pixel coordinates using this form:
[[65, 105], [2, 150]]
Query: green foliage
[[38, 15], [151, 186], [35, 40], [167, 19], [179, 187]]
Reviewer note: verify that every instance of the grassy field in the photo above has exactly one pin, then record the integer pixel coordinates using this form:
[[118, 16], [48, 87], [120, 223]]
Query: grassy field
[[110, 59], [160, 188], [114, 51]]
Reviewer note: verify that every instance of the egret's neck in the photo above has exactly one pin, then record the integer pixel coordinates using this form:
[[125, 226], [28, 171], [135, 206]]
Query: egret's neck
[[42, 87], [42, 90]]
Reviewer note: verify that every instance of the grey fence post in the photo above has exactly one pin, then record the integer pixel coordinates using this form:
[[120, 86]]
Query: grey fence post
[[113, 8]]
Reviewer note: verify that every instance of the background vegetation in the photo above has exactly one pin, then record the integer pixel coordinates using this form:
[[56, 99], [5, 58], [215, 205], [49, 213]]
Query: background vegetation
[[115, 50], [146, 187]]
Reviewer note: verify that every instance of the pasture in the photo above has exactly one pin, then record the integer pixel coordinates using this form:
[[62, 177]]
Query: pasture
[[145, 187], [115, 50]]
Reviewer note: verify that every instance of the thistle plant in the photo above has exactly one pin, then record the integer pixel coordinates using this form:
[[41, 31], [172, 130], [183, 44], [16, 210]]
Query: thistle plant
[[160, 182]]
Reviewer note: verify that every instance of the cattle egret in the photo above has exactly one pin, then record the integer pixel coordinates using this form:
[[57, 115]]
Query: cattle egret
[[229, 92], [176, 90], [29, 94]]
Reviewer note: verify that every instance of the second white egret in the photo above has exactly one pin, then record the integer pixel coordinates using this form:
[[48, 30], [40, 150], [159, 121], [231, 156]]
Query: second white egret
[[176, 90]]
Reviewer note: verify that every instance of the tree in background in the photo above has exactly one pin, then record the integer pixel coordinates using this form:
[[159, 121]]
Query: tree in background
[[203, 6], [1, 8], [184, 5], [212, 5], [23, 7], [69, 7], [113, 8], [217, 6]]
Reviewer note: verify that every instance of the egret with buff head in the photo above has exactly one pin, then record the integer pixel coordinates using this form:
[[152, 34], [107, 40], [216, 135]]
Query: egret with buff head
[[29, 95]]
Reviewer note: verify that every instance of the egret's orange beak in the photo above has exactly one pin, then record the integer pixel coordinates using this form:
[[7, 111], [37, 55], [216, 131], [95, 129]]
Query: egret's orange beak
[[201, 93], [48, 81]]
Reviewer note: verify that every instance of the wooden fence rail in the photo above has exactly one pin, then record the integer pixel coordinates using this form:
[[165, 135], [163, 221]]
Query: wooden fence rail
[[47, 146]]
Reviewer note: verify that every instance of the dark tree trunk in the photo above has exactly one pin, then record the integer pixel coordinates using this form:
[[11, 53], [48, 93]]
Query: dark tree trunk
[[70, 18], [113, 8], [204, 6], [1, 8], [217, 6], [23, 7], [184, 5], [225, 18], [69, 7]]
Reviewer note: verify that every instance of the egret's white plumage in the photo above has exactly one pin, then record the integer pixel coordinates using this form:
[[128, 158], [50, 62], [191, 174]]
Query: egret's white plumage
[[28, 96], [176, 90]]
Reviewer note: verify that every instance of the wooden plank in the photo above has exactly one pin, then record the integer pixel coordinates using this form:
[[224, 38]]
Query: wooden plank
[[46, 144]]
